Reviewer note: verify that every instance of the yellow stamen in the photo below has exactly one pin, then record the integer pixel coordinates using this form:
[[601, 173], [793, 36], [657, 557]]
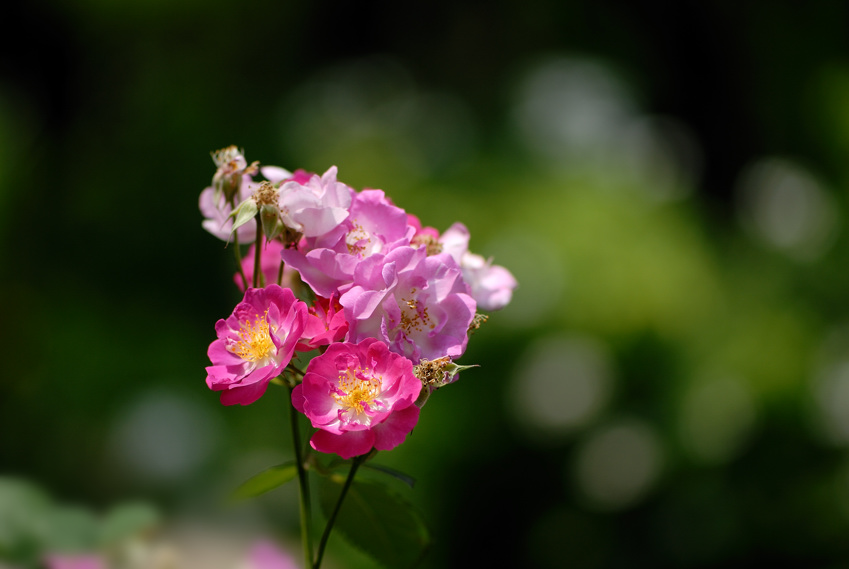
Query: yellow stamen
[[414, 319], [359, 388], [356, 236], [255, 340]]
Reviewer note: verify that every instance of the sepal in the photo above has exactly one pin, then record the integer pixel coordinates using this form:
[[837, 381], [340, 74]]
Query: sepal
[[243, 213], [270, 217]]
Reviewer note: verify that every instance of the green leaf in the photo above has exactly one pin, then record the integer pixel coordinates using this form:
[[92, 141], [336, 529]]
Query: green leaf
[[266, 481], [126, 520], [405, 478], [378, 521]]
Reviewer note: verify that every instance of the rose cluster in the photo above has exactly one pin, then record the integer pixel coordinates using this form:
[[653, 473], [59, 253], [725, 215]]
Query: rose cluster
[[386, 303]]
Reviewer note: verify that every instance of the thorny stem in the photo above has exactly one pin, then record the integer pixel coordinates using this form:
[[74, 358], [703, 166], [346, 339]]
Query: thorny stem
[[304, 485], [324, 536]]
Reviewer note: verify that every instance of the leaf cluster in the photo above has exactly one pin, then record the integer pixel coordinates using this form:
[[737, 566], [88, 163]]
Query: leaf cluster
[[373, 517]]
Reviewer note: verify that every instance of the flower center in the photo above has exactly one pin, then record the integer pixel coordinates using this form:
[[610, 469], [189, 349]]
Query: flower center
[[429, 242], [254, 340], [413, 318], [266, 194], [357, 240], [358, 389]]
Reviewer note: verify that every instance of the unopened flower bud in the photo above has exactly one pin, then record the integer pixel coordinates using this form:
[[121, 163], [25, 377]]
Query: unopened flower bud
[[270, 217]]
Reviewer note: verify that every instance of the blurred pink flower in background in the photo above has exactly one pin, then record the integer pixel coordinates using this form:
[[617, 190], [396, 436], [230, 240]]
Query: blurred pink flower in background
[[268, 555], [75, 561]]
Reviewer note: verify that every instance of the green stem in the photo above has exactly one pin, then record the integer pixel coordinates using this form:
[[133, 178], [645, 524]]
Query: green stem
[[304, 485], [280, 274], [238, 255], [257, 247], [351, 473], [294, 369]]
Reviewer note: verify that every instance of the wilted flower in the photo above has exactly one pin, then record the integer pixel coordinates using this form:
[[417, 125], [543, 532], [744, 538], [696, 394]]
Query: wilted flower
[[359, 396], [231, 168]]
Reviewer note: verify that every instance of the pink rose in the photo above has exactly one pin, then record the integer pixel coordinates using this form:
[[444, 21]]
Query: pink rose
[[491, 285], [418, 304], [255, 343], [317, 206], [326, 324], [326, 263], [216, 211], [359, 396]]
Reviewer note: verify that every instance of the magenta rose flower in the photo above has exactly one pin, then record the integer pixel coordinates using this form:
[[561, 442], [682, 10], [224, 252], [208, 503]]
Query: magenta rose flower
[[255, 343], [326, 324], [359, 396]]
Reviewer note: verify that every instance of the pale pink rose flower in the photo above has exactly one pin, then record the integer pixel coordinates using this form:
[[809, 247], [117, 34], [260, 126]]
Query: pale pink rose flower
[[491, 285], [327, 263], [317, 206], [418, 304], [216, 211]]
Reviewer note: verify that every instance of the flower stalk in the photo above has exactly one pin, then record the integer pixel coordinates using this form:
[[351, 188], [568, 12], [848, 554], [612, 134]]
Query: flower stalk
[[303, 485], [238, 254], [355, 464], [257, 249]]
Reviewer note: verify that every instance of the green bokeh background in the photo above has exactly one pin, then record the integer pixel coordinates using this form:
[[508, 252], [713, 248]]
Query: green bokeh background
[[667, 181]]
